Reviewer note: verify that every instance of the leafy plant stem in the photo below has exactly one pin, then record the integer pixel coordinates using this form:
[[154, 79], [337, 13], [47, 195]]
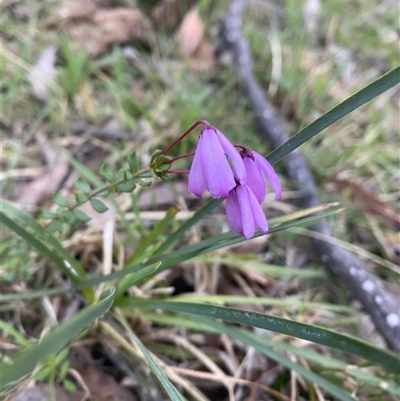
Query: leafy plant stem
[[112, 185]]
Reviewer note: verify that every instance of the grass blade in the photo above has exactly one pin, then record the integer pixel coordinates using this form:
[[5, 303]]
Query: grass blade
[[44, 234], [140, 252], [192, 322], [289, 303], [244, 337], [178, 256], [207, 208], [132, 279], [166, 384], [361, 97], [308, 332], [38, 245], [58, 338]]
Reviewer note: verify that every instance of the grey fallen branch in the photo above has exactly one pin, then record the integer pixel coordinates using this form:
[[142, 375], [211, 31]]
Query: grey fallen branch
[[365, 286]]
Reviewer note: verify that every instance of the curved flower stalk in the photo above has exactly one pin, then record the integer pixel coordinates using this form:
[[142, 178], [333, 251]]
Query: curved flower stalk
[[244, 212], [210, 168]]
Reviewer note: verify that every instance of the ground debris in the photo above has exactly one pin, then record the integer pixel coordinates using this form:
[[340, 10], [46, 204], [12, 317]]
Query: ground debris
[[194, 44], [36, 191], [103, 386], [95, 29], [44, 392]]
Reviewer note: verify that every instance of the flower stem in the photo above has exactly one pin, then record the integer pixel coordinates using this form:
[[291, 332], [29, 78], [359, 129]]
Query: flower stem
[[178, 171], [204, 122], [170, 161]]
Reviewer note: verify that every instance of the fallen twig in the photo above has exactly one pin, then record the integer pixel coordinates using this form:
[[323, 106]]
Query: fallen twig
[[366, 287]]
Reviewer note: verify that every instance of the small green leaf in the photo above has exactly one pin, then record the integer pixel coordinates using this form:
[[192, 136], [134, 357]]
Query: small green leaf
[[82, 185], [154, 173], [60, 200], [98, 205], [46, 214], [43, 374], [119, 176], [155, 156], [126, 186], [166, 177], [106, 173], [62, 355], [55, 226], [164, 167], [64, 368], [133, 162], [128, 176], [81, 198], [143, 183], [162, 162], [69, 385], [81, 216], [67, 216]]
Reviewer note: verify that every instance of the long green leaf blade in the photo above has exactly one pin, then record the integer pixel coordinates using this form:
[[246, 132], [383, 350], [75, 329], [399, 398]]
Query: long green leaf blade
[[207, 208], [244, 337], [374, 89], [38, 245], [192, 322], [58, 338], [177, 256], [44, 234], [167, 385], [308, 332]]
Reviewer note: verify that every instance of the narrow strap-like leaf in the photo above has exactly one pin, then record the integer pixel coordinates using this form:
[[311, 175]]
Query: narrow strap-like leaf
[[308, 332], [374, 89], [55, 341]]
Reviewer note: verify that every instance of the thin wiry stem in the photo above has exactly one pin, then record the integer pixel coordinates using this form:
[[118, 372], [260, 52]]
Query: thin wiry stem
[[204, 122]]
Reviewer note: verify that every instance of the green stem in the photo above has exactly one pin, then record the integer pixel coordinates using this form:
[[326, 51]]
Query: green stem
[[107, 187]]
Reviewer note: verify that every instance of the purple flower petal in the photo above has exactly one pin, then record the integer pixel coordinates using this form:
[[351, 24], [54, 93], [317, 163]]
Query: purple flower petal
[[269, 171], [259, 217], [233, 214], [197, 182], [255, 179], [246, 211], [234, 156], [217, 170]]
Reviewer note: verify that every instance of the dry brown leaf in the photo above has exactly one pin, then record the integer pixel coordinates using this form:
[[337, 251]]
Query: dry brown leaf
[[77, 9], [35, 192], [43, 392], [203, 58], [369, 202], [103, 386], [104, 27], [190, 32], [167, 13]]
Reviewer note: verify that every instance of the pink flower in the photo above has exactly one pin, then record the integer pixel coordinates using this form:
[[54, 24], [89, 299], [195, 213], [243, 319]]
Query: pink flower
[[258, 170], [244, 212], [210, 167]]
